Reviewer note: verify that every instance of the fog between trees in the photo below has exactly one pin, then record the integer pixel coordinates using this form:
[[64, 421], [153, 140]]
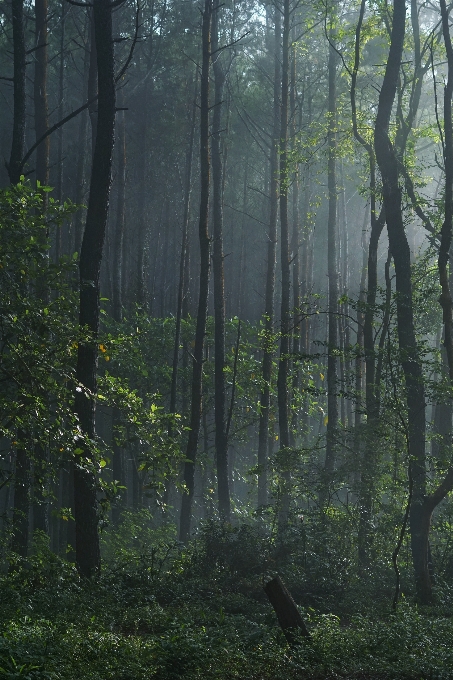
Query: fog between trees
[[246, 314]]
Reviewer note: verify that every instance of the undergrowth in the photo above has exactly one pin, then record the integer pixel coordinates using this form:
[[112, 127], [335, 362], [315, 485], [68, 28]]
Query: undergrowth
[[164, 612]]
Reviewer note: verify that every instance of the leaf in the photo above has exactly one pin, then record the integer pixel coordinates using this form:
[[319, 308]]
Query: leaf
[[326, 420]]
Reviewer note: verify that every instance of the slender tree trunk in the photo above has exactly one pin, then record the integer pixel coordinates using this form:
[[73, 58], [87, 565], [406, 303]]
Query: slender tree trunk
[[21, 501], [117, 302], [82, 152], [221, 440], [197, 374], [86, 514], [332, 397], [359, 352], [41, 463], [19, 65], [40, 92], [182, 285], [368, 463], [295, 248], [61, 65], [283, 366], [59, 183], [346, 358], [268, 348]]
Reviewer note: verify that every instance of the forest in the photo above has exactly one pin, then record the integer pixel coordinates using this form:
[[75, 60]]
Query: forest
[[226, 339]]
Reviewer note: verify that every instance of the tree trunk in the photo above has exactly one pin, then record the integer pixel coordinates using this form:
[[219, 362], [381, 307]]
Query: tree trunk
[[423, 505], [118, 467], [86, 511], [295, 248], [283, 365], [221, 440], [59, 182], [415, 398], [81, 157], [182, 285], [332, 398], [21, 501], [197, 374], [19, 65], [268, 348], [288, 615], [40, 92]]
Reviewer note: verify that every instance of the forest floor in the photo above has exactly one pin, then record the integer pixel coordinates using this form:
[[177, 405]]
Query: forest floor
[[192, 617]]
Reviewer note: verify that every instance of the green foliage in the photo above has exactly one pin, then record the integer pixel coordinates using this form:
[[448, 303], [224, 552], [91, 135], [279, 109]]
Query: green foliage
[[204, 615], [38, 331]]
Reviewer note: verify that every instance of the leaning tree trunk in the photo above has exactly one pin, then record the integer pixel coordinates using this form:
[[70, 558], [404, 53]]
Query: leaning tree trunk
[[221, 440], [85, 501], [197, 371]]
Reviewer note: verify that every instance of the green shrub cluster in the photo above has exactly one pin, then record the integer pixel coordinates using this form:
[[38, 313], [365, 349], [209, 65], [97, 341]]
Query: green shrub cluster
[[166, 612]]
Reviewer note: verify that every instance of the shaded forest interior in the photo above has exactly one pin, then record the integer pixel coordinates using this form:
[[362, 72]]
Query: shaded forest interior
[[226, 338]]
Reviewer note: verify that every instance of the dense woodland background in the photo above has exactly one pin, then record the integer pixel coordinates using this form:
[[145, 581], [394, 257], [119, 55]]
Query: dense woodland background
[[226, 327]]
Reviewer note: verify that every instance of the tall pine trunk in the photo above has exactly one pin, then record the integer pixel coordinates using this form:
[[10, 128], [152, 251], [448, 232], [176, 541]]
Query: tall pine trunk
[[268, 348], [221, 440], [197, 370], [283, 365], [332, 340], [19, 65]]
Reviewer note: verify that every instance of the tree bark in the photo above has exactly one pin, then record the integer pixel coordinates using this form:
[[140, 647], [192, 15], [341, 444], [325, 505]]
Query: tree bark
[[295, 248], [268, 348], [85, 501], [21, 501], [40, 92], [283, 365], [332, 397], [221, 440], [288, 615], [19, 65], [197, 373], [410, 361], [118, 463]]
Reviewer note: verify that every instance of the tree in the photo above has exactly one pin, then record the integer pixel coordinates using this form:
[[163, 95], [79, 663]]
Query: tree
[[85, 500], [203, 234]]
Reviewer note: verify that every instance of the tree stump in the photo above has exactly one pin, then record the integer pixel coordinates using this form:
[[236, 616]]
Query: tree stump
[[288, 615]]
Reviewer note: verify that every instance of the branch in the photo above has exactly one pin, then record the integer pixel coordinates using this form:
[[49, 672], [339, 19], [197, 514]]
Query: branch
[[333, 46], [134, 42], [88, 103], [80, 4], [55, 127], [368, 147], [415, 204]]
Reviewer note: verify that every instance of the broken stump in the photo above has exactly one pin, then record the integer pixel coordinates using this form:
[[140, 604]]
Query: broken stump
[[284, 606]]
